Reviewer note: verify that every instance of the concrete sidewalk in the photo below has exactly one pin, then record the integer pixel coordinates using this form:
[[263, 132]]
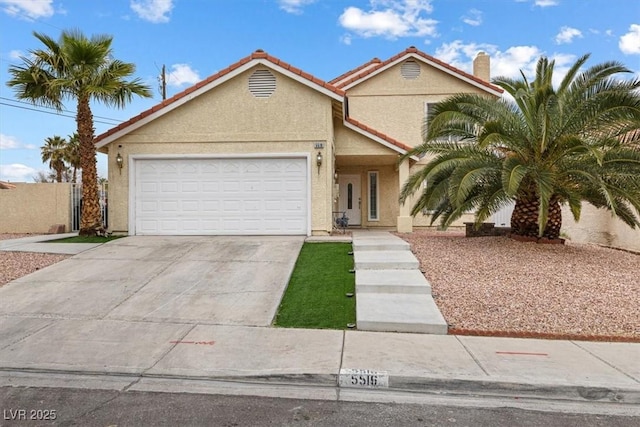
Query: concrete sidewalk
[[81, 339], [162, 356], [39, 244]]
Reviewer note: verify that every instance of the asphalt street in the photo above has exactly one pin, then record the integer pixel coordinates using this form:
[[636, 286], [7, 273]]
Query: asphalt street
[[73, 407]]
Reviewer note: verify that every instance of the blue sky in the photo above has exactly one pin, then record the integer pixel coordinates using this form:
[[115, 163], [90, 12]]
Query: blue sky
[[196, 38]]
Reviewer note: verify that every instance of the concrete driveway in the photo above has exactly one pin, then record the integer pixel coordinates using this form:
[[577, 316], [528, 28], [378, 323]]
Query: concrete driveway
[[202, 279]]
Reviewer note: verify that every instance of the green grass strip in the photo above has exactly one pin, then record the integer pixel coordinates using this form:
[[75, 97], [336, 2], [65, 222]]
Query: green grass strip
[[85, 239], [315, 297]]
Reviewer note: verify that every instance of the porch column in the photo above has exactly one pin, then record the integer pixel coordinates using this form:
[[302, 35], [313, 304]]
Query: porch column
[[404, 222]]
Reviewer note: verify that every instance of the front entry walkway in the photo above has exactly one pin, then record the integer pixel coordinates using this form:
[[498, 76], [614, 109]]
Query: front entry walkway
[[392, 295]]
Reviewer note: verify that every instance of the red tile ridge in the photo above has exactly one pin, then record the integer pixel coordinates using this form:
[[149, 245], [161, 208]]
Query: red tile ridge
[[355, 70], [430, 58], [258, 54], [379, 134]]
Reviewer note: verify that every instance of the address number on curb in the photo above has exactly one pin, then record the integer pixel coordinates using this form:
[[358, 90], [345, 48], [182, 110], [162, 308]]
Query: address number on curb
[[363, 378]]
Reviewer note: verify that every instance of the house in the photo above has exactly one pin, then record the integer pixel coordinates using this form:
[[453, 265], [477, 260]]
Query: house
[[263, 147]]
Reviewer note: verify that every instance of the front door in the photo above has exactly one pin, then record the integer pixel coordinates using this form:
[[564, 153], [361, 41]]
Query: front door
[[350, 199]]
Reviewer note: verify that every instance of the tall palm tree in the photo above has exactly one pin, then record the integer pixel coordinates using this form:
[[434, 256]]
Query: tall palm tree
[[72, 154], [547, 147], [54, 151], [81, 69]]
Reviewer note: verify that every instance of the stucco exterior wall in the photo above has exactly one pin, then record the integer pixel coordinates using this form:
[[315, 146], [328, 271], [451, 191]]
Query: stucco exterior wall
[[230, 120], [396, 106], [600, 227], [351, 143], [34, 208], [424, 220]]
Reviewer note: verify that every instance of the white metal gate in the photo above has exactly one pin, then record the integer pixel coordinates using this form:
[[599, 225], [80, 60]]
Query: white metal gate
[[502, 218], [76, 205]]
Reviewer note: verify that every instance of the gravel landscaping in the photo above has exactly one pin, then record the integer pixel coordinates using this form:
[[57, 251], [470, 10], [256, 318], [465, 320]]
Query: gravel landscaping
[[17, 264], [497, 286]]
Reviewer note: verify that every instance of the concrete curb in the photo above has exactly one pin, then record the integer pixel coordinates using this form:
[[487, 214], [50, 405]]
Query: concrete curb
[[517, 390], [426, 386]]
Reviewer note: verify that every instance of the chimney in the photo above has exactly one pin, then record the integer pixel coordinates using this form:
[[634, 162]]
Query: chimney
[[482, 66]]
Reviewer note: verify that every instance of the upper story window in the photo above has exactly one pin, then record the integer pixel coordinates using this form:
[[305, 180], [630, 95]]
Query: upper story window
[[410, 69], [428, 107], [262, 83]]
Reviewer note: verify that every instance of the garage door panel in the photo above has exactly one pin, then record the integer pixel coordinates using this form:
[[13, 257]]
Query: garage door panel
[[231, 186], [168, 186], [221, 196], [210, 205], [169, 206]]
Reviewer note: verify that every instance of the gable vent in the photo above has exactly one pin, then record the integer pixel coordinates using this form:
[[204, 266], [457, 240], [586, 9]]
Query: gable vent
[[410, 69], [262, 84]]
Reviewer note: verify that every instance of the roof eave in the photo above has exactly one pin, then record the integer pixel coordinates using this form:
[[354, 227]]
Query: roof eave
[[494, 91], [377, 139], [160, 110]]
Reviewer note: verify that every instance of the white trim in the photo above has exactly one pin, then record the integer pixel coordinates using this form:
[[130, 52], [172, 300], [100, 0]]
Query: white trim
[[135, 157], [377, 139], [426, 61], [217, 82], [369, 173]]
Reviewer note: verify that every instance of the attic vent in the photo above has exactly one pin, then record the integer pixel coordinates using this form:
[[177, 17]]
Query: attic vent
[[410, 69], [262, 84]]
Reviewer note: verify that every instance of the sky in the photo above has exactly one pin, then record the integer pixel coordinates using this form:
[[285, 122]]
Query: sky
[[196, 38]]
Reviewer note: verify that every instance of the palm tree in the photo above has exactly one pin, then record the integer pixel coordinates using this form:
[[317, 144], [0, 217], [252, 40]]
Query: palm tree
[[84, 70], [72, 154], [545, 148], [54, 152]]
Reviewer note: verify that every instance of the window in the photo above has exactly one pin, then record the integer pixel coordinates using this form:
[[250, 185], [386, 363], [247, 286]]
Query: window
[[428, 107], [349, 196], [262, 84], [373, 196], [410, 69]]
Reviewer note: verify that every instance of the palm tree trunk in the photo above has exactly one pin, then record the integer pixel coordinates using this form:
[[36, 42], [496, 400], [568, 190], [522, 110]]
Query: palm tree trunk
[[554, 220], [524, 220], [90, 221]]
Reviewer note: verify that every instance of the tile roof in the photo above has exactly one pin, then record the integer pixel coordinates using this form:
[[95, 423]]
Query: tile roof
[[380, 135], [355, 70], [337, 89], [258, 54], [415, 51]]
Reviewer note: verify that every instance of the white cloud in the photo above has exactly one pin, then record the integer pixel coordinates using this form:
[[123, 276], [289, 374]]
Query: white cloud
[[294, 6], [630, 43], [8, 142], [16, 172], [155, 11], [346, 39], [16, 55], [391, 19], [182, 74], [473, 17], [507, 63], [29, 9], [567, 34], [546, 3]]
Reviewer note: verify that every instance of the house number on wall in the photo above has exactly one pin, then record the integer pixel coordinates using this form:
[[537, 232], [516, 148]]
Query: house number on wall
[[363, 378]]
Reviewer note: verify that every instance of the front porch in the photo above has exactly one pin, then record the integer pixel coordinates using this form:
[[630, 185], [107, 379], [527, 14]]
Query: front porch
[[367, 182]]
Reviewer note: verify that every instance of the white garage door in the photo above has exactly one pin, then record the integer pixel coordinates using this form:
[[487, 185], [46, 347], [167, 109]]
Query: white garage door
[[221, 196]]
